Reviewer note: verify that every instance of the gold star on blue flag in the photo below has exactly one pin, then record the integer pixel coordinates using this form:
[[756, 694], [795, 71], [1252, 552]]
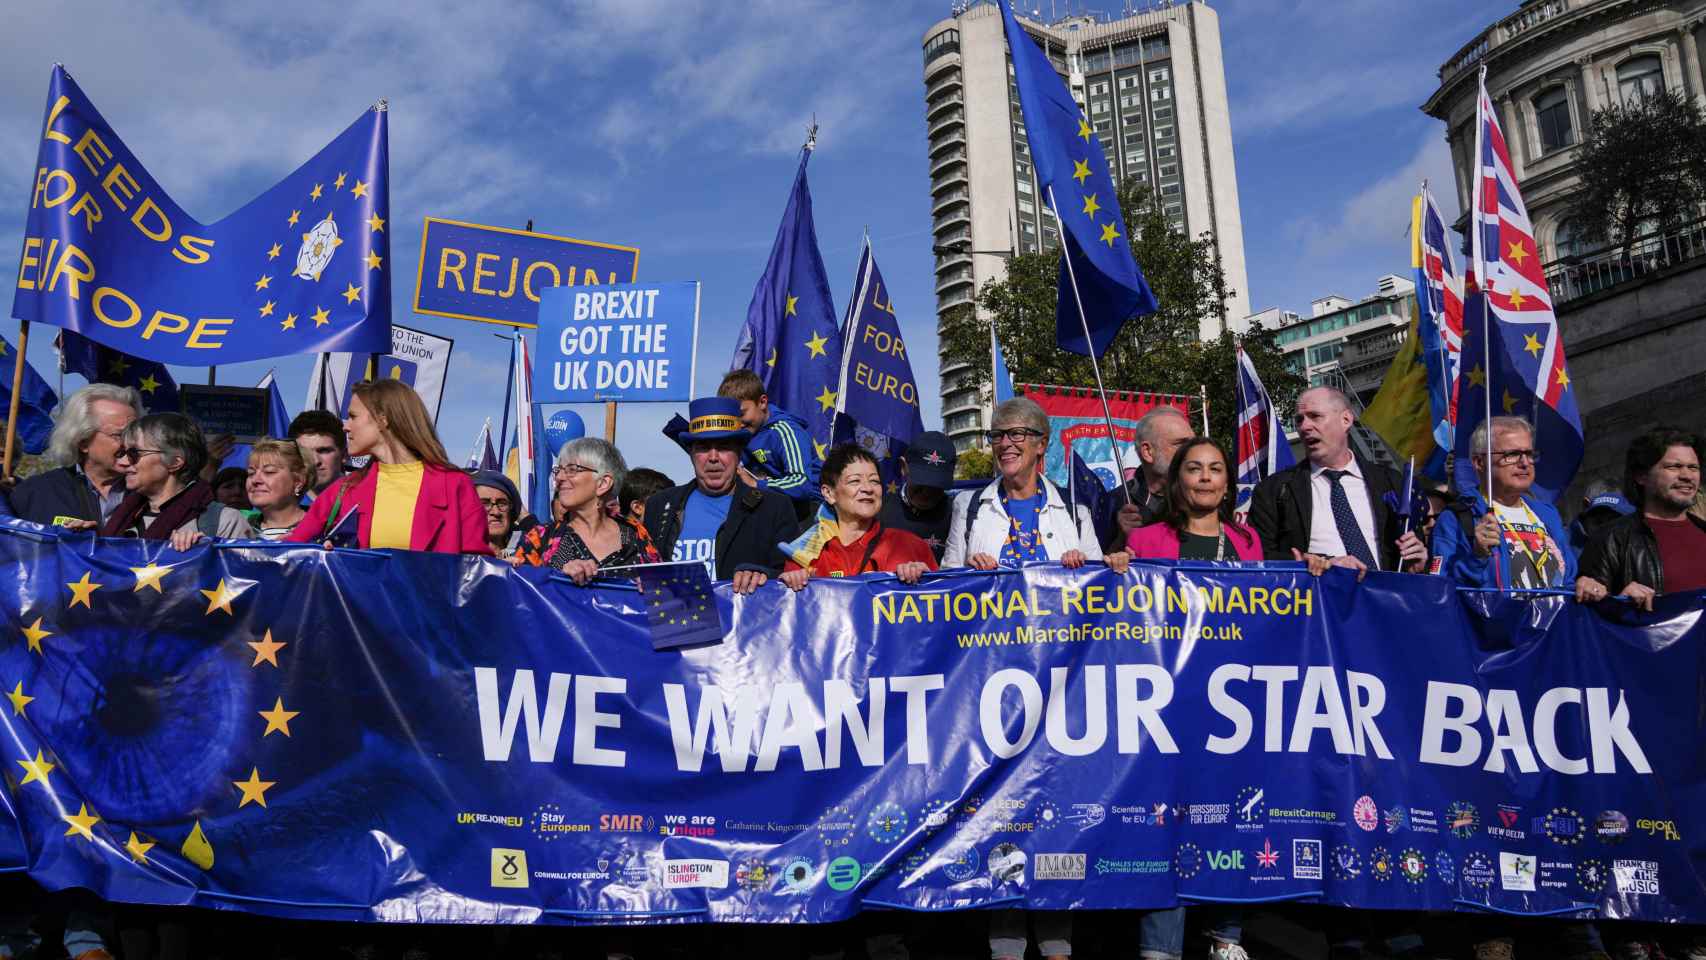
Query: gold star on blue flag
[[1100, 284], [159, 285]]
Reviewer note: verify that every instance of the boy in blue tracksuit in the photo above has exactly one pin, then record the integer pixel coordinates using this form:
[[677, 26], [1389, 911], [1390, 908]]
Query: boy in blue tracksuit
[[780, 456]]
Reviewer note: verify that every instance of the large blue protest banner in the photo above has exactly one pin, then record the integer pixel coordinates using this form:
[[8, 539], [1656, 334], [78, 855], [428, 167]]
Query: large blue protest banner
[[497, 274], [411, 737], [303, 267], [626, 341]]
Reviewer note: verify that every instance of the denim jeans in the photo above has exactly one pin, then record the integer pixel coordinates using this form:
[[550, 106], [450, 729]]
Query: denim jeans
[[1161, 933], [1007, 929]]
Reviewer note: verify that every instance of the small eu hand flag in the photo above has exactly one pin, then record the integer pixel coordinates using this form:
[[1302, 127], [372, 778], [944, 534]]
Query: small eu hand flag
[[681, 607]]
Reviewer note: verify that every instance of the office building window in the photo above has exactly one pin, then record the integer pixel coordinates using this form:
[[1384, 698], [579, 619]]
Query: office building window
[[1162, 113], [1159, 94], [1160, 75], [1103, 125], [948, 41], [1164, 133], [1133, 119], [1024, 186], [1098, 88], [1173, 209], [1552, 114], [1639, 78], [1026, 207], [1163, 153], [1167, 170], [1170, 190], [1131, 100], [1130, 83], [1099, 107]]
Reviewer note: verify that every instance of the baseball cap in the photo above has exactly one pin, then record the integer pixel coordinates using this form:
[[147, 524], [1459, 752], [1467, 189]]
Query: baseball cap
[[930, 460]]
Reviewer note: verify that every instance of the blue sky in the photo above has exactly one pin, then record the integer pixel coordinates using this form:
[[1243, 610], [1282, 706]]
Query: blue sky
[[674, 126]]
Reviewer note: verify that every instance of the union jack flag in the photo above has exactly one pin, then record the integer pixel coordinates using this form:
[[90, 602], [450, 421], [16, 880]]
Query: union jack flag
[[1525, 373], [1262, 447], [1439, 320]]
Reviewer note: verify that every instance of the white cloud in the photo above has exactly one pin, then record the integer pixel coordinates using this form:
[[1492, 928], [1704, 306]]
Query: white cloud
[[1378, 216]]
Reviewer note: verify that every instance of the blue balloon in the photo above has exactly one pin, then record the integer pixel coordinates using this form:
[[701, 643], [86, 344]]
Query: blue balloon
[[561, 427]]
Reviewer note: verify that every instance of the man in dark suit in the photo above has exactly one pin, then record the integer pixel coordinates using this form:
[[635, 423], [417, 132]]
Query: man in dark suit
[[1330, 510]]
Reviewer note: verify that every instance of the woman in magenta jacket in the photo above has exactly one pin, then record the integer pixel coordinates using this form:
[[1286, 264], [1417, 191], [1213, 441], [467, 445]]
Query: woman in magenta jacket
[[1197, 524], [408, 497]]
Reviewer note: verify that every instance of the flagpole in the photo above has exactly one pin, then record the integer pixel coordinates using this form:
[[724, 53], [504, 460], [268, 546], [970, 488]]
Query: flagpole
[[1478, 248], [1202, 390], [17, 390], [1090, 347]]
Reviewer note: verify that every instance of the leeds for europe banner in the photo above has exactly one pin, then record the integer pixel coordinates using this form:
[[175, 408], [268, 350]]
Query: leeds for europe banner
[[368, 735], [304, 267]]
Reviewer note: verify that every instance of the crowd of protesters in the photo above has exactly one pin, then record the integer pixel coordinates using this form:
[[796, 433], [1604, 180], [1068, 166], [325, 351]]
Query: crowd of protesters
[[759, 487]]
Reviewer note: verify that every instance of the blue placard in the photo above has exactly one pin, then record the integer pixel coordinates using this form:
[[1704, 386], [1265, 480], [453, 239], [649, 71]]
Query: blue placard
[[622, 342], [496, 275]]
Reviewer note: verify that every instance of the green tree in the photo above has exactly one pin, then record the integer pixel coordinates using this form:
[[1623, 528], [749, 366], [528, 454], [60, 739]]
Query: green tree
[[1642, 166], [1159, 353]]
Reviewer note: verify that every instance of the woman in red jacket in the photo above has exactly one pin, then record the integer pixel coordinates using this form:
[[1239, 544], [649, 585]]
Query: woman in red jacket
[[855, 541], [408, 497]]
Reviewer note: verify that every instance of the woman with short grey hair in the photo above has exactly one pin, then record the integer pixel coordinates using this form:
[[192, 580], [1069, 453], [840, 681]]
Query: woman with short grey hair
[[162, 455], [588, 538]]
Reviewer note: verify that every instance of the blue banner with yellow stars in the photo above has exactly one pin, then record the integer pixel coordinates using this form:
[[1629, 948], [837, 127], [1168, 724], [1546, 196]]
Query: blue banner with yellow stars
[[1100, 285], [301, 268], [791, 338], [394, 736]]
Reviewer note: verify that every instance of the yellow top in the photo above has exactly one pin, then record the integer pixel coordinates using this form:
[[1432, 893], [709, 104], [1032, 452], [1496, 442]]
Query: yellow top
[[394, 504]]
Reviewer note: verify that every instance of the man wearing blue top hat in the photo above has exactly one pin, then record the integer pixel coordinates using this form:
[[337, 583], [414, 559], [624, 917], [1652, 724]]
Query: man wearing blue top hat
[[731, 525]]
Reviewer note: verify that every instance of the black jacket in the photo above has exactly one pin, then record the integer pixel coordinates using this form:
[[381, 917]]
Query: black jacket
[[1625, 551], [57, 495], [758, 521], [1281, 506]]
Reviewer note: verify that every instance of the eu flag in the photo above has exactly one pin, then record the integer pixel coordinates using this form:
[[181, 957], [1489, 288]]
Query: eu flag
[[681, 608], [304, 267], [98, 364], [791, 339], [877, 390], [1073, 175], [36, 401]]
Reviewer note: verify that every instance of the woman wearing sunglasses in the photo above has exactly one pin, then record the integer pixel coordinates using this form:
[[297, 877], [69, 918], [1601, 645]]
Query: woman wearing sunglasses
[[161, 456]]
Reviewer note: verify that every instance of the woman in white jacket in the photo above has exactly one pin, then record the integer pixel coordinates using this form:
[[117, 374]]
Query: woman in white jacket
[[1021, 517]]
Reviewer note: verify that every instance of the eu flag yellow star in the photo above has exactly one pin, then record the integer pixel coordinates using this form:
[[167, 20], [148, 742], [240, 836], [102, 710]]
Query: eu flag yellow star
[[264, 282], [1509, 403], [34, 635], [289, 322], [267, 309], [360, 189], [273, 252], [295, 215], [352, 294], [373, 260], [789, 309], [1517, 253], [339, 182], [822, 450], [322, 316], [815, 345], [1563, 378], [1477, 376], [277, 718], [314, 194], [82, 590], [1531, 344], [826, 399], [266, 650], [1109, 234], [1091, 206], [1517, 299], [138, 848], [376, 223], [1081, 171], [1083, 129], [118, 366], [254, 789], [771, 362], [219, 598], [82, 823], [19, 699], [149, 576], [148, 384], [35, 771]]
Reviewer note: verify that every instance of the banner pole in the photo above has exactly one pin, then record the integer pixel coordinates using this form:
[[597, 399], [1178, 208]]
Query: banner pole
[[17, 389], [1095, 365], [212, 379], [610, 421], [1202, 391]]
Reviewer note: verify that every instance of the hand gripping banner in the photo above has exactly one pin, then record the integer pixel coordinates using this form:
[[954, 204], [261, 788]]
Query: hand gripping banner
[[362, 735]]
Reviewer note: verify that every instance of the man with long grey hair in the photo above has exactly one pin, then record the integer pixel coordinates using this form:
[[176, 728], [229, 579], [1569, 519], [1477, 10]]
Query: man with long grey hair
[[88, 429]]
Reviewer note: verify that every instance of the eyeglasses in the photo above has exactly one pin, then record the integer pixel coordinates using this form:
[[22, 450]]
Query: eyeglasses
[[133, 454], [1012, 434], [497, 503], [1505, 458], [571, 469]]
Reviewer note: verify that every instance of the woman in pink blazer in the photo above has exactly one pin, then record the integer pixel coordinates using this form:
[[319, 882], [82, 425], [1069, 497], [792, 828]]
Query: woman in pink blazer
[[408, 497], [1197, 524]]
